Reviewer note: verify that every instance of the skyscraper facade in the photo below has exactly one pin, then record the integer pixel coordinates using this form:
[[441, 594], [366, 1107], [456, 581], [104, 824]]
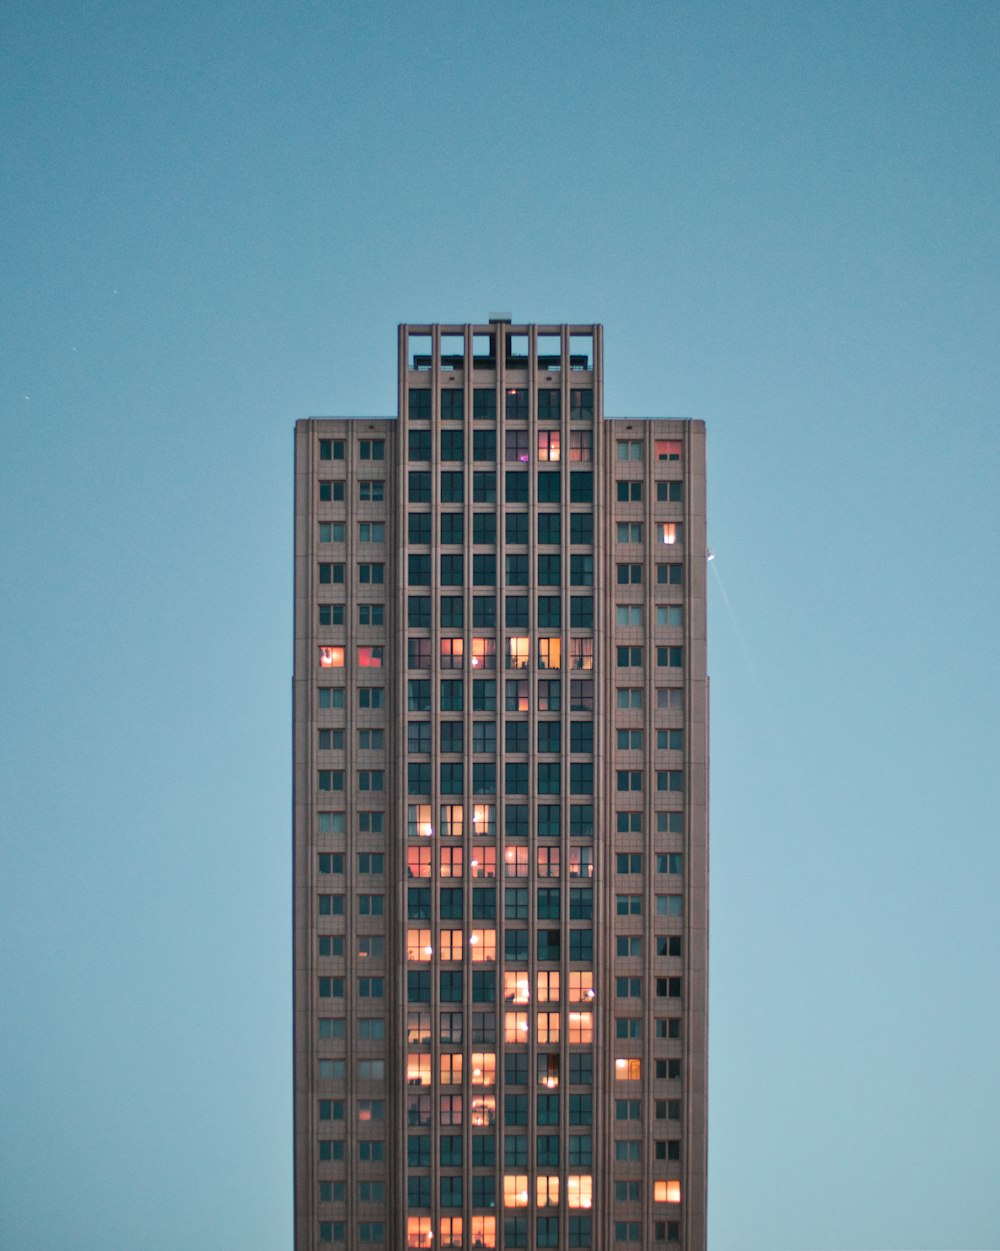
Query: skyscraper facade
[[500, 809]]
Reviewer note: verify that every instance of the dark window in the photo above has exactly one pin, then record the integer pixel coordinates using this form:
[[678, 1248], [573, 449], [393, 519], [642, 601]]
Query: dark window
[[549, 528], [418, 527], [581, 611], [484, 569], [670, 575], [331, 449], [549, 735], [549, 486], [672, 492], [451, 405], [452, 444], [549, 569], [581, 405], [516, 486], [452, 570], [452, 486], [517, 404], [419, 444], [484, 527], [420, 404], [452, 612], [549, 612], [484, 445], [516, 611], [484, 404], [452, 528], [420, 487], [581, 487], [484, 608], [581, 570], [549, 408], [484, 486], [581, 528]]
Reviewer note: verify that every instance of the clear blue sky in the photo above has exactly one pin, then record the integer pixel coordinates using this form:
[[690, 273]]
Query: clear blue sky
[[213, 216]]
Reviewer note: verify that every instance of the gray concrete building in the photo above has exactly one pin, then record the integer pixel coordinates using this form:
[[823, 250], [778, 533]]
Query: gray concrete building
[[500, 809]]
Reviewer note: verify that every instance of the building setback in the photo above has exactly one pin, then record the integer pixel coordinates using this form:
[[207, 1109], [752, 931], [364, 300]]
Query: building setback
[[500, 809]]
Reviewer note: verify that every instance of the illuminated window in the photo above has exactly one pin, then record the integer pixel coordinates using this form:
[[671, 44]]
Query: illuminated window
[[418, 1025], [451, 1232], [548, 861], [550, 653], [418, 822], [484, 653], [516, 862], [515, 1027], [548, 1077], [516, 445], [581, 1026], [418, 1231], [452, 653], [418, 862], [547, 1190], [671, 532], [579, 1190], [484, 862], [581, 653], [484, 1068], [581, 987], [548, 987], [482, 1112], [451, 1068], [451, 861], [370, 657], [331, 658], [484, 1233], [548, 1027], [548, 445], [628, 1070], [515, 1190], [516, 695], [668, 449], [518, 652], [418, 945], [581, 862], [483, 944], [516, 988], [484, 820], [418, 1069], [667, 1191], [451, 944]]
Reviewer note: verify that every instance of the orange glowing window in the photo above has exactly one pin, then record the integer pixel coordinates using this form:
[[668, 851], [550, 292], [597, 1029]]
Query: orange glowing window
[[451, 944], [484, 1068], [550, 653], [484, 820], [452, 861], [581, 987], [581, 1027], [579, 1190], [418, 1232], [668, 449], [371, 657], [484, 653], [548, 445], [515, 862], [483, 944], [418, 821], [515, 1027], [418, 1069], [451, 1232], [484, 862], [482, 1110], [452, 820], [418, 1027], [548, 987], [451, 1069], [418, 945], [548, 1069], [331, 658], [516, 988], [628, 1070], [518, 651], [667, 1191], [515, 1190], [671, 532], [548, 1027], [548, 861], [547, 1190], [484, 1233], [418, 862]]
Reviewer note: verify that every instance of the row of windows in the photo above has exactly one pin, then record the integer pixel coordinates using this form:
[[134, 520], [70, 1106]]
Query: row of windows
[[484, 695], [516, 486], [451, 863], [372, 490], [452, 442], [548, 445], [484, 404], [451, 570], [517, 825], [517, 527], [579, 1109], [451, 612], [579, 1150], [451, 736], [483, 776]]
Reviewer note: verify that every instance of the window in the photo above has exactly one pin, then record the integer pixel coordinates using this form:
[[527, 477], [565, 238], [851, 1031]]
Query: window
[[518, 651], [549, 486], [581, 695], [371, 532], [628, 615], [581, 487], [452, 528], [629, 740], [629, 779], [452, 569], [628, 574], [669, 905], [330, 574], [484, 486], [581, 445], [581, 405], [670, 657], [452, 444], [627, 492], [548, 403], [371, 614], [549, 569], [371, 780], [629, 449], [331, 740], [419, 487], [670, 780], [581, 653], [419, 445], [629, 697], [628, 905], [549, 527], [331, 614], [516, 446], [581, 613], [484, 607], [331, 532], [628, 657], [331, 449], [548, 445], [452, 695], [670, 575], [371, 657], [516, 693], [370, 572], [331, 779], [581, 528], [452, 486], [628, 532], [550, 651], [330, 491]]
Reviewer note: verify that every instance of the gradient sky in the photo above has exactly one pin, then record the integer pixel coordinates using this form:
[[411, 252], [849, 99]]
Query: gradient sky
[[213, 216]]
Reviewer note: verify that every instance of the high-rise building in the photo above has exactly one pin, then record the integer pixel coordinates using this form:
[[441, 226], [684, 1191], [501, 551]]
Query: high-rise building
[[501, 809]]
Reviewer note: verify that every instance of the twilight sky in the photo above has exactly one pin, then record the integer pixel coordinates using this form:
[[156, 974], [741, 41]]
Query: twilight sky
[[214, 215]]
